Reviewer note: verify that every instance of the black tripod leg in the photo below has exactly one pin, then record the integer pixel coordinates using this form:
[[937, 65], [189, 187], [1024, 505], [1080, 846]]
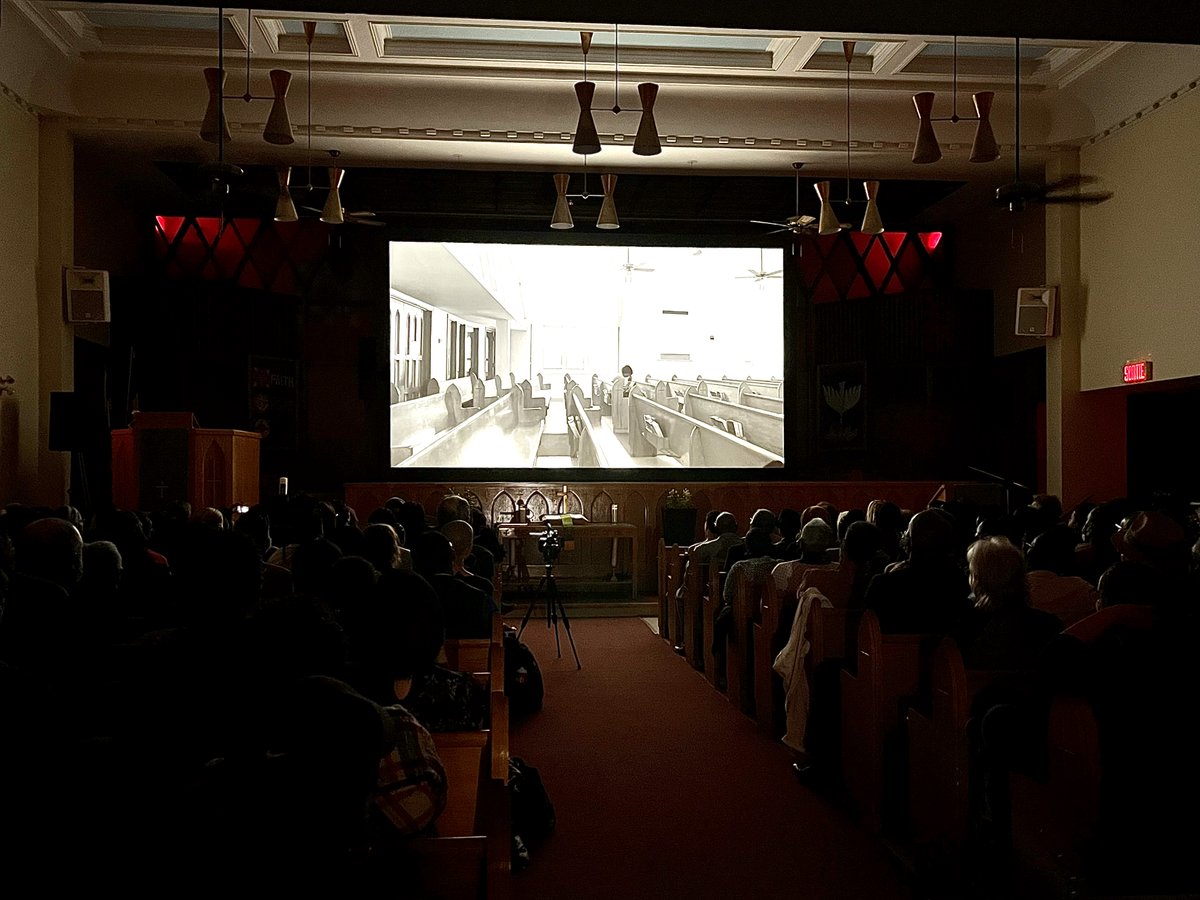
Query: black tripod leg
[[570, 637], [525, 618]]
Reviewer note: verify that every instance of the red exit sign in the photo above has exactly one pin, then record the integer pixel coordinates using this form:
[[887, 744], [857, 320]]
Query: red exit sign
[[1137, 371]]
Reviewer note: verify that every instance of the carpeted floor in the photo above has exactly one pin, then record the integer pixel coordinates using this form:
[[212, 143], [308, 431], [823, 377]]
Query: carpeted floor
[[663, 790]]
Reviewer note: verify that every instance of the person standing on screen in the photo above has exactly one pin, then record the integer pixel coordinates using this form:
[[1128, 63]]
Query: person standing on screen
[[621, 389]]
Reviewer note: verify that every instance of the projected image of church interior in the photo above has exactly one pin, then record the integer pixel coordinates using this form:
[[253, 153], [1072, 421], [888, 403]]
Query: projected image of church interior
[[609, 357]]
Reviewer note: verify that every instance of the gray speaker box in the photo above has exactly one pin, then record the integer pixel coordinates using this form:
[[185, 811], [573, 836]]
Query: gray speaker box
[[85, 295], [1036, 309]]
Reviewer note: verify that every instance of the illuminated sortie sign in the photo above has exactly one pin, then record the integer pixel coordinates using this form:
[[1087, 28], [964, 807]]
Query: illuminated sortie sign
[[1138, 370]]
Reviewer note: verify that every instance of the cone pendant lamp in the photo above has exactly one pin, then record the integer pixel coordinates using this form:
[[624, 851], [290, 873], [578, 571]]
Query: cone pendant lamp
[[872, 223], [279, 125], [608, 208], [214, 128], [332, 212], [561, 220], [828, 223], [984, 147], [646, 143], [926, 149], [285, 209], [586, 139]]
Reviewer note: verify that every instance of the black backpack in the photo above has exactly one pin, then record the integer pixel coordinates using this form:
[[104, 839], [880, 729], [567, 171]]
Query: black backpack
[[532, 812], [522, 677]]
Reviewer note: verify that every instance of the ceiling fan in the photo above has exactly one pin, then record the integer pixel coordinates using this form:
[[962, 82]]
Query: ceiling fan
[[332, 213], [797, 224], [1018, 194], [631, 267], [761, 274]]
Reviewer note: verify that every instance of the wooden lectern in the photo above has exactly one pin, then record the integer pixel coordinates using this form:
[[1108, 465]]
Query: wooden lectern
[[166, 457]]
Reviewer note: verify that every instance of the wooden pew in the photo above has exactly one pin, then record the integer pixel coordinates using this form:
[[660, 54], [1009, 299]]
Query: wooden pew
[[416, 423], [739, 655], [1055, 819], [450, 444], [759, 427], [670, 567], [890, 667], [586, 447], [710, 603], [528, 407], [693, 442], [690, 631], [938, 752]]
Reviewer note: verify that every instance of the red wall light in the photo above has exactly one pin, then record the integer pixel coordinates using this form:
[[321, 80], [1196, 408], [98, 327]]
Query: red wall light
[[1137, 370]]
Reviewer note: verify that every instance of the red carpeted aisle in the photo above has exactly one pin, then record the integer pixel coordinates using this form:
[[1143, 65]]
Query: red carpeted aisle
[[663, 790]]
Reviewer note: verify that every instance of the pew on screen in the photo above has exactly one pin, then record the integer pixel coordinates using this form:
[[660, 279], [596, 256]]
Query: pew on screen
[[511, 356]]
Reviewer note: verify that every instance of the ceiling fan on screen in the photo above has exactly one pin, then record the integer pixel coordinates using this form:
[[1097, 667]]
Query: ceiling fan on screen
[[761, 274], [630, 267], [1018, 194], [798, 223]]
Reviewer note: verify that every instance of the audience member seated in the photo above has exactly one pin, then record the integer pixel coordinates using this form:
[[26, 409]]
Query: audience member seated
[[1052, 586], [311, 566], [1157, 540], [887, 517], [1096, 552], [755, 569], [455, 508], [846, 518], [861, 559], [701, 555], [461, 535], [1127, 594], [815, 540], [764, 520], [710, 528], [256, 525], [927, 593], [384, 547], [396, 653], [466, 610], [790, 524], [1002, 632]]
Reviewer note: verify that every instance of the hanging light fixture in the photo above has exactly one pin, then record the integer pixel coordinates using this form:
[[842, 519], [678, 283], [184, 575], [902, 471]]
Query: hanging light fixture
[[587, 139], [214, 127], [285, 208], [332, 212], [608, 208], [828, 223], [561, 220], [983, 148]]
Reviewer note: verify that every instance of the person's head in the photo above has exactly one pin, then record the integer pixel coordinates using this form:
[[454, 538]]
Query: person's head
[[710, 523], [51, 549], [382, 516], [461, 536], [1128, 582], [884, 515], [256, 525], [219, 573], [1053, 550], [311, 564], [627, 371], [351, 579], [789, 524], [812, 512], [210, 517], [846, 518], [763, 518], [862, 542], [930, 538], [726, 523], [997, 574], [452, 508], [1156, 539], [102, 566], [758, 542], [381, 546], [816, 537], [433, 554], [399, 632], [412, 520]]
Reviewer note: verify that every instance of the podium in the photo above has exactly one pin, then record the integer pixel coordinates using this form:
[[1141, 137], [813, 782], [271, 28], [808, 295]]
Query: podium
[[166, 457]]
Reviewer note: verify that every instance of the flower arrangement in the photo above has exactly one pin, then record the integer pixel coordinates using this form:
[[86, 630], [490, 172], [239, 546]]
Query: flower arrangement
[[6, 385], [679, 498]]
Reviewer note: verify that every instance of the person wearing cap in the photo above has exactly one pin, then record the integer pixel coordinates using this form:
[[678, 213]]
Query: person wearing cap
[[816, 537]]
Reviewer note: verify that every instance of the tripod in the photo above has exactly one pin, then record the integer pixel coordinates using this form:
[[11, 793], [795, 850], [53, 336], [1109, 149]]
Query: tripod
[[554, 611]]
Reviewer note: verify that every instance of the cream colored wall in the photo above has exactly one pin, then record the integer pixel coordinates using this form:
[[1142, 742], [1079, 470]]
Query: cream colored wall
[[18, 288], [1139, 261]]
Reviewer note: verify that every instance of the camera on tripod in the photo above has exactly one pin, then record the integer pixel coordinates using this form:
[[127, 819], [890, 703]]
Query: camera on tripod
[[550, 544]]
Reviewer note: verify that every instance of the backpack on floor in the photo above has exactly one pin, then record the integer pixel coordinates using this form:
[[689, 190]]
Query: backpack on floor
[[522, 677], [532, 812]]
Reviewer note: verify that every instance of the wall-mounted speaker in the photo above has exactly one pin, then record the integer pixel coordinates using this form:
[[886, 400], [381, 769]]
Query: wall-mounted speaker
[[1036, 310], [85, 295]]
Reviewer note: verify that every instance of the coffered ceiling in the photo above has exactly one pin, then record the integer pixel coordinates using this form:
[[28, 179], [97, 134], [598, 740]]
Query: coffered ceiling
[[414, 92]]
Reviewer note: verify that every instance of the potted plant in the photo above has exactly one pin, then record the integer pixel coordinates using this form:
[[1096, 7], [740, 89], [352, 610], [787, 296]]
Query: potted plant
[[679, 517]]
